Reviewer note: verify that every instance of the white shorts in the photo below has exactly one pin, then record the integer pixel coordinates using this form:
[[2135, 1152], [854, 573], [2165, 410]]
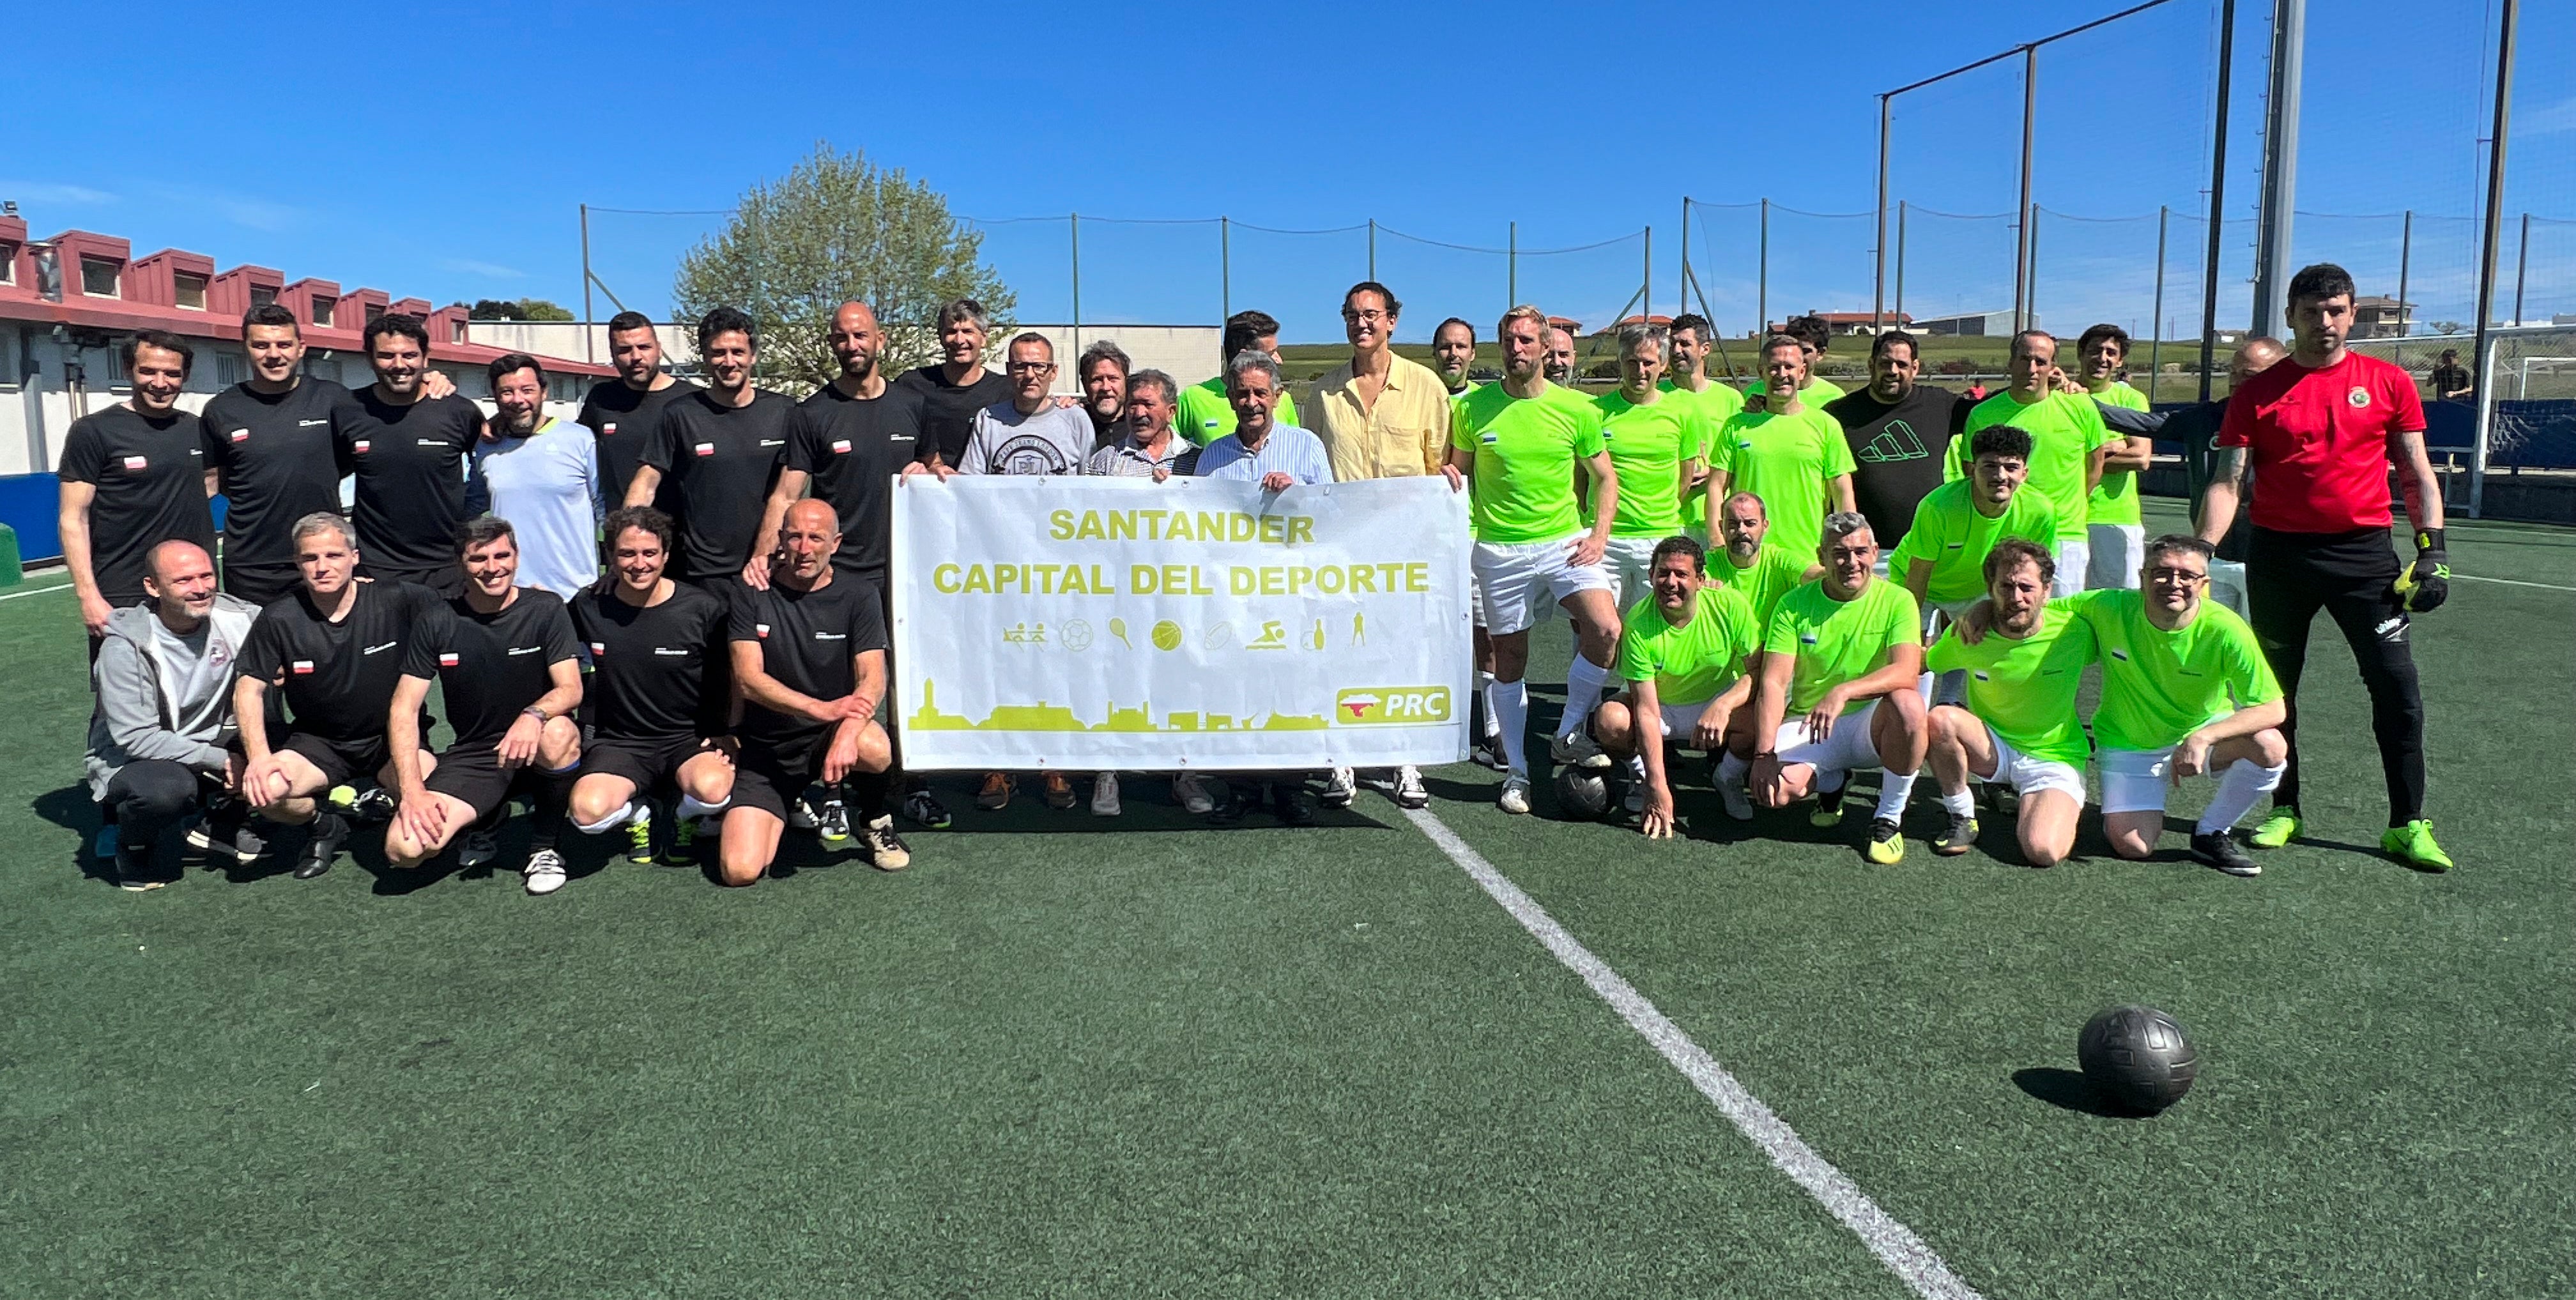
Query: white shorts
[[1680, 720], [2074, 558], [2027, 775], [2134, 780], [2227, 586], [1516, 577], [1847, 748], [2118, 551], [1630, 562]]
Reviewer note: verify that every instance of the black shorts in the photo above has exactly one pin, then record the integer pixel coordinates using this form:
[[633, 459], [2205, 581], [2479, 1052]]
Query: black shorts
[[474, 774], [769, 778], [446, 579], [262, 584], [341, 761], [651, 764]]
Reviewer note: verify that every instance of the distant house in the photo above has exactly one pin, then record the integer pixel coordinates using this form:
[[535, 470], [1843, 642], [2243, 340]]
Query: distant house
[[1625, 321], [1567, 323], [1854, 322], [2377, 317], [1975, 324]]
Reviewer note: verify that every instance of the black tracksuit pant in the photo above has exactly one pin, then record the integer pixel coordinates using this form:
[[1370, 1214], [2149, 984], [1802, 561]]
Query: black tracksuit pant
[[2288, 578]]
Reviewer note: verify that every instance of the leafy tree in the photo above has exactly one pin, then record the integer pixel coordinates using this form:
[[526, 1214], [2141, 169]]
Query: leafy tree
[[836, 228], [520, 309]]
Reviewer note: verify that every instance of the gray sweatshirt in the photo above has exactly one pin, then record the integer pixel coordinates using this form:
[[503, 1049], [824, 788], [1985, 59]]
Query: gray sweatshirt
[[158, 697]]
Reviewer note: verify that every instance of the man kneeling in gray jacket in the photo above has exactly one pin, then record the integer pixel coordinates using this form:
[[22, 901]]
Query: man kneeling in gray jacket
[[160, 739]]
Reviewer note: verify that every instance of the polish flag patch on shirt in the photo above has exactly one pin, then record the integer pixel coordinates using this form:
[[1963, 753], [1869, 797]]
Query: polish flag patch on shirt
[[447, 659], [762, 629], [241, 435], [704, 449], [134, 464], [302, 666], [597, 649], [841, 445], [608, 431], [361, 446]]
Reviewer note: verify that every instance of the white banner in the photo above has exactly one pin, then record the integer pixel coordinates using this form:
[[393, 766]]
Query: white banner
[[1099, 623]]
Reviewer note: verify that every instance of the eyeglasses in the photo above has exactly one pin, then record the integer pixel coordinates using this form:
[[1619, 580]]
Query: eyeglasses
[[1029, 367], [2176, 577], [1372, 316]]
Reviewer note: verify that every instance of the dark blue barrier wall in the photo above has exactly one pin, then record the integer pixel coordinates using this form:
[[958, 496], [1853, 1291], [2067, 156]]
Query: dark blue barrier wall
[[2533, 434], [30, 503]]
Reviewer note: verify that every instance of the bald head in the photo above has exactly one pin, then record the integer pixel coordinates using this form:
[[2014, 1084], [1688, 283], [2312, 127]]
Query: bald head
[[180, 578], [175, 555], [856, 341], [809, 535], [815, 514], [2257, 356]]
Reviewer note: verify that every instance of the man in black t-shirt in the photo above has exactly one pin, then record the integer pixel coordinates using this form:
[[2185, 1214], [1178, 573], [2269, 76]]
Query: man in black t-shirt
[[505, 659], [625, 413], [658, 703], [409, 452], [2451, 380], [809, 654], [335, 649], [718, 450], [959, 386], [271, 441], [133, 476], [1899, 432]]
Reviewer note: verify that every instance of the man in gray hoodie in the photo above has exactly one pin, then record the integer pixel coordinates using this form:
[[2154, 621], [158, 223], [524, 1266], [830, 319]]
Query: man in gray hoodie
[[160, 739]]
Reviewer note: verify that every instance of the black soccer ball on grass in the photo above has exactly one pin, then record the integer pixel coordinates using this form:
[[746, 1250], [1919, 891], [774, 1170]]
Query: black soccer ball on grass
[[2138, 1057], [1583, 793]]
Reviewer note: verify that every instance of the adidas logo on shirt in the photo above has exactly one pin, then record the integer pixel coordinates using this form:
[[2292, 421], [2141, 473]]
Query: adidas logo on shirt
[[1897, 441]]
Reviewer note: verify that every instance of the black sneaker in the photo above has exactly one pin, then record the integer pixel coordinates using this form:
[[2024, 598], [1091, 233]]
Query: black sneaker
[[1233, 806], [322, 846], [1294, 805], [134, 873], [1488, 753], [924, 810], [1961, 837], [228, 832], [2219, 849], [374, 804], [1828, 807]]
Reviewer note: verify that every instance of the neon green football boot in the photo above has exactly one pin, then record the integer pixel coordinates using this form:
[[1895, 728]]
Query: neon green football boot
[[2278, 829], [2413, 845]]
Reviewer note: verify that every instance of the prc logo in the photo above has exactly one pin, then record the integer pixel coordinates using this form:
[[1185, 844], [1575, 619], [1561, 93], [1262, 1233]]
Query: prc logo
[[1398, 705], [2358, 398]]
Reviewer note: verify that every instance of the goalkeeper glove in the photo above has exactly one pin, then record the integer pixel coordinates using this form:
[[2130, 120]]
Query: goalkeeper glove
[[2426, 583]]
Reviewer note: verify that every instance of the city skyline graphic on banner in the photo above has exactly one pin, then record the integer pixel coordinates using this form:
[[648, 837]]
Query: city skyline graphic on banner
[[1046, 716]]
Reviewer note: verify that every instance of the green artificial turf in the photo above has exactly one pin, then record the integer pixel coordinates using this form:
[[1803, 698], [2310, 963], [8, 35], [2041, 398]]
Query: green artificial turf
[[1062, 1057]]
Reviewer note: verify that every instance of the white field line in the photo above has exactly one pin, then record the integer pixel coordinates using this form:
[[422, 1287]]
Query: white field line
[[37, 591], [1896, 1246], [2510, 582]]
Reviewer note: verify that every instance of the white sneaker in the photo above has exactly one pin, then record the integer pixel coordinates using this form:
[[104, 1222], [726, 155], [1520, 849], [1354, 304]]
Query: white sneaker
[[802, 815], [545, 871], [1104, 795], [1191, 790], [1340, 788], [1515, 796], [1739, 805], [1575, 749], [1408, 789]]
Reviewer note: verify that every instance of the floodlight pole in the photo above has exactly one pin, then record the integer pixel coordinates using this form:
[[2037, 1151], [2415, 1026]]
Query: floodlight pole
[[2021, 253], [587, 352], [1682, 282], [2280, 163], [1878, 277], [2405, 266], [1073, 230], [1646, 287], [2521, 263], [1512, 269], [1762, 280], [2483, 363], [2156, 324], [2217, 196], [2030, 320], [1900, 264], [1372, 248], [1224, 269]]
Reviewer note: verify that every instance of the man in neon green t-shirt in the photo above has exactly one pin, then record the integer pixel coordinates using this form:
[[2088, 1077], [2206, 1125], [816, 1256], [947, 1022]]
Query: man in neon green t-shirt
[[1791, 455], [1813, 337], [2018, 726], [1654, 440], [1515, 445], [2185, 690], [1943, 557], [1688, 377], [1759, 569], [1684, 654], [2068, 443], [1837, 691], [1205, 414], [2116, 535]]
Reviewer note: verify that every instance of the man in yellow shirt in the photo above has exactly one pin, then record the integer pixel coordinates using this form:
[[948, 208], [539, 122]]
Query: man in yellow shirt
[[1380, 416]]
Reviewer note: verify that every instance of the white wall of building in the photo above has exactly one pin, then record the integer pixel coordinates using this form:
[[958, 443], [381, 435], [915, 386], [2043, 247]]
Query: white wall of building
[[1186, 352]]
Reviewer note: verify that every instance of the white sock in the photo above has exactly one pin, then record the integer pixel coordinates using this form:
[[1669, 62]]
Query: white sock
[[1962, 804], [1583, 682], [2239, 787], [1637, 766], [1485, 686], [1732, 770], [1893, 791], [691, 809], [609, 823], [1510, 707]]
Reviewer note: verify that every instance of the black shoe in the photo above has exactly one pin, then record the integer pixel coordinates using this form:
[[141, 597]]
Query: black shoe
[[1487, 752], [134, 873], [2220, 849], [1293, 804], [1961, 837], [322, 847], [1231, 809], [228, 832]]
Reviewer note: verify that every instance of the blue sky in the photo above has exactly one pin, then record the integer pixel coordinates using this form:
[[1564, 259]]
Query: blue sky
[[443, 155]]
